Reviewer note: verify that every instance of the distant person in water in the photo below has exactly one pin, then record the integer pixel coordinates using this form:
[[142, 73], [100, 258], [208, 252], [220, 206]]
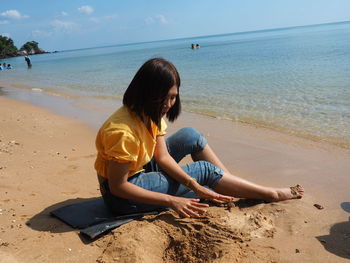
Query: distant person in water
[[9, 66], [138, 168], [29, 63], [195, 46]]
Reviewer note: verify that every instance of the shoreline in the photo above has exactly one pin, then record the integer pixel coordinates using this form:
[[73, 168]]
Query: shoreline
[[56, 154], [77, 103], [219, 132], [94, 111]]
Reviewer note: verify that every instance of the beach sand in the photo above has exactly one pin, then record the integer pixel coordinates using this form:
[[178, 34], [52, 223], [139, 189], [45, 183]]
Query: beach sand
[[46, 161]]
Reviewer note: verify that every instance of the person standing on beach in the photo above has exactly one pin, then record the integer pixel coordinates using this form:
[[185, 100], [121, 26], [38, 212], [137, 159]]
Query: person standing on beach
[[29, 63], [138, 168]]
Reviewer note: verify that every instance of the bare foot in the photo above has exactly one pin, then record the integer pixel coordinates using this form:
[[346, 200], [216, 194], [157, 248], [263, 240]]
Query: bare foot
[[293, 192]]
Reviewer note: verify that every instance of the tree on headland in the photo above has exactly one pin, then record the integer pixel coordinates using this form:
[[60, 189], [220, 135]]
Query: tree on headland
[[7, 48], [32, 48]]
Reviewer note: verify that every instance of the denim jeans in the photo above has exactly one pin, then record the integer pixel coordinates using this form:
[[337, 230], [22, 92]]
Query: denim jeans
[[183, 142]]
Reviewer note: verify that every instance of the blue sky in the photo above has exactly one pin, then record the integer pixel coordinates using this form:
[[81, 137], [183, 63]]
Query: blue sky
[[71, 24]]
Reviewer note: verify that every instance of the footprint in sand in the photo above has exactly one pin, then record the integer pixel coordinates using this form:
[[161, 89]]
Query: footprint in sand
[[70, 192], [82, 157]]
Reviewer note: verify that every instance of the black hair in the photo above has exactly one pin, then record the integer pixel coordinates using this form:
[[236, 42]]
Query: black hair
[[149, 88]]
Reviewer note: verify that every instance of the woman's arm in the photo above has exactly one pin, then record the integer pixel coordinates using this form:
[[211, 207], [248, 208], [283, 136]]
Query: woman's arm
[[172, 168], [119, 186], [169, 165]]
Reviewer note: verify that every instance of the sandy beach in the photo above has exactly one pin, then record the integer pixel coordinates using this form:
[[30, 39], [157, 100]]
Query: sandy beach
[[46, 162]]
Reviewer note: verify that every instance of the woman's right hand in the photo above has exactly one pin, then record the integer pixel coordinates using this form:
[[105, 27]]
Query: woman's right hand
[[188, 207], [211, 195]]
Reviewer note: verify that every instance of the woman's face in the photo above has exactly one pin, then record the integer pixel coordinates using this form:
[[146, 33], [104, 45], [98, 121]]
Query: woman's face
[[170, 99]]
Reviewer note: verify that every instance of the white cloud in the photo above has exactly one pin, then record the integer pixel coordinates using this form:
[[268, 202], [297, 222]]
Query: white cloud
[[40, 33], [58, 27], [103, 18], [3, 22], [159, 19], [64, 26], [162, 19], [86, 9], [149, 20], [64, 13], [13, 14], [95, 19]]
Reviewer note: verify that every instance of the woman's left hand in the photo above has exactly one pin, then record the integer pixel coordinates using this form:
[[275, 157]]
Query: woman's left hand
[[211, 195]]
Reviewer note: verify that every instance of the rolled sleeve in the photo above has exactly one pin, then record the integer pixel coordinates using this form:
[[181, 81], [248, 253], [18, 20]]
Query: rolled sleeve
[[121, 146], [164, 126]]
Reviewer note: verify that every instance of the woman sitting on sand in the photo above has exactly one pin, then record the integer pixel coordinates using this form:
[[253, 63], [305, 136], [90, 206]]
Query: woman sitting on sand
[[138, 168]]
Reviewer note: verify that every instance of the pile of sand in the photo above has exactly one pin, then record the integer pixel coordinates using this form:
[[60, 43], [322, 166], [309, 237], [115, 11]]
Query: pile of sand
[[244, 233]]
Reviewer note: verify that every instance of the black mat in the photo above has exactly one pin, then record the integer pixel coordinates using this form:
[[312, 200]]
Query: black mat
[[93, 217]]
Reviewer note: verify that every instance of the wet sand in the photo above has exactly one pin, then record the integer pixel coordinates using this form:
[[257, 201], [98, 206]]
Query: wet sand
[[46, 161]]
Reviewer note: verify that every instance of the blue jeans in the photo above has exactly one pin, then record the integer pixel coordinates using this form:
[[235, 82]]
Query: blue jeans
[[183, 142]]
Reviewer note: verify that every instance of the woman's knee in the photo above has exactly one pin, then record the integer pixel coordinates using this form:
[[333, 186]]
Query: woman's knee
[[206, 173], [191, 136]]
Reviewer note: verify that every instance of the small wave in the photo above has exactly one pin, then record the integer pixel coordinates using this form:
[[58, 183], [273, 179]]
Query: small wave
[[37, 89]]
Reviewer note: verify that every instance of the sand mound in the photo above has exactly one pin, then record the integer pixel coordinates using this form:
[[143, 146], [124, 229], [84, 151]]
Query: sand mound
[[223, 235]]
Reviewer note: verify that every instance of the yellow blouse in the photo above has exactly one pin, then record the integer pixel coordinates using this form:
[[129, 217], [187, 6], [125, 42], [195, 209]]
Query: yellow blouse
[[125, 138]]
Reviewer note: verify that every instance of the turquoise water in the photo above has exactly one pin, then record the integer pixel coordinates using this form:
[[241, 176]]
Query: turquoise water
[[295, 79]]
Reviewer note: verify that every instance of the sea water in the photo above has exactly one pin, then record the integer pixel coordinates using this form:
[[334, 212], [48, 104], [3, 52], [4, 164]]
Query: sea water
[[295, 80]]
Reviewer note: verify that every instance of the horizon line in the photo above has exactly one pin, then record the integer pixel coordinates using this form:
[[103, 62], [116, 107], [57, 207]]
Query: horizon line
[[203, 36]]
